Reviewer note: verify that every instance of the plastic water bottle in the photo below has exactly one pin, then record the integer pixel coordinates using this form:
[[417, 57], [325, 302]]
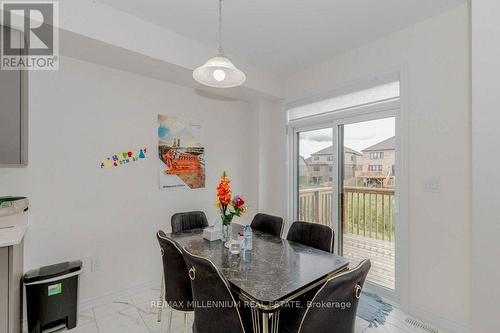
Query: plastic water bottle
[[247, 233]]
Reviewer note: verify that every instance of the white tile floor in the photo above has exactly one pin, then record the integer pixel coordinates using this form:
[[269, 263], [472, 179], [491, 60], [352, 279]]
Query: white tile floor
[[135, 315]]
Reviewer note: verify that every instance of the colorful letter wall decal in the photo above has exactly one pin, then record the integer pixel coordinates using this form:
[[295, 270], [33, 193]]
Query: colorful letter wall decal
[[124, 158]]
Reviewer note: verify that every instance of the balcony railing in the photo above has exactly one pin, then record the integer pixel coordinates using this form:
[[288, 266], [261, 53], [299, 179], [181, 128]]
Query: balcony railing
[[367, 211], [371, 174], [315, 205]]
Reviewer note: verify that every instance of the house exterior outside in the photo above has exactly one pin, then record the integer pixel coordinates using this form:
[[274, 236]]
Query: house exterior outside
[[379, 164], [320, 167], [352, 162], [303, 172]]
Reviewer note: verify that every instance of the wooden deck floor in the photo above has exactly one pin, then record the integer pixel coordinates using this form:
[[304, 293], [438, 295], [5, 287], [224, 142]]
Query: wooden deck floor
[[381, 254]]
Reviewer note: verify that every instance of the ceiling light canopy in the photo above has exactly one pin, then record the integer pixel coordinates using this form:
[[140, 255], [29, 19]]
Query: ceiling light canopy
[[219, 71]]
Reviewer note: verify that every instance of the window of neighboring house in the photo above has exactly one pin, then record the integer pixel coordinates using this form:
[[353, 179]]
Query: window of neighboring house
[[316, 168], [331, 179], [379, 155], [330, 169], [316, 158], [329, 158], [374, 168]]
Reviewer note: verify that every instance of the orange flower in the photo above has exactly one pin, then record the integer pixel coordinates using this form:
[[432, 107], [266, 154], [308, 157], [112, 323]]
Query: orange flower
[[228, 206], [224, 194]]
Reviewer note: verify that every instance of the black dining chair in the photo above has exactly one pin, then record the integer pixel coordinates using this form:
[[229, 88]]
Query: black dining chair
[[176, 285], [332, 309], [268, 224], [188, 220], [209, 286], [312, 234]]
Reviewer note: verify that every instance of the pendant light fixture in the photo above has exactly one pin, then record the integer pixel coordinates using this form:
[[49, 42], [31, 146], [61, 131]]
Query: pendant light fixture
[[219, 72]]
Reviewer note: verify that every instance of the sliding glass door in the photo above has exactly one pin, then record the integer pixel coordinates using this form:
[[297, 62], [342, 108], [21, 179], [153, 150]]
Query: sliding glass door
[[368, 190], [315, 175], [345, 178]]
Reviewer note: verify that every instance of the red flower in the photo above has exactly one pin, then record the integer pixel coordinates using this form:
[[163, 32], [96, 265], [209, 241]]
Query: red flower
[[238, 202]]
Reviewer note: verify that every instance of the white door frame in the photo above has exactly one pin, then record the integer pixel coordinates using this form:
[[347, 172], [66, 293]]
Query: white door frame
[[384, 109], [294, 174]]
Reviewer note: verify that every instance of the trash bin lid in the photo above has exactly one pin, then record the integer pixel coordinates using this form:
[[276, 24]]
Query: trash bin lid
[[7, 201], [52, 271], [10, 198]]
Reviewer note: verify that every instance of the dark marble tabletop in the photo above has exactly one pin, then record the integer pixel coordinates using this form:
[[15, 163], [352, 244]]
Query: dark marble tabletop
[[272, 271]]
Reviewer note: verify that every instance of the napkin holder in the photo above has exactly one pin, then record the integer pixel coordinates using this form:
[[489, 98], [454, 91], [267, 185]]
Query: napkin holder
[[211, 234]]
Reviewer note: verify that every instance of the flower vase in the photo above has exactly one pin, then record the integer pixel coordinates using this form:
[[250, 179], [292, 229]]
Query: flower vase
[[226, 232]]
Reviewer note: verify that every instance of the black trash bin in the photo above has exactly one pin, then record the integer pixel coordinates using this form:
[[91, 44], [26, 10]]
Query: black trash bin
[[52, 296]]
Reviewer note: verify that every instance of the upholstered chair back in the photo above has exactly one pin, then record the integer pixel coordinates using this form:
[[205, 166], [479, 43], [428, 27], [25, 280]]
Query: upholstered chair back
[[268, 224], [312, 234], [342, 292], [177, 284], [210, 287], [188, 220]]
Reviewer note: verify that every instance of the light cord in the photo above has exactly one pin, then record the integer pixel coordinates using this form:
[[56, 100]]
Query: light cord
[[221, 50]]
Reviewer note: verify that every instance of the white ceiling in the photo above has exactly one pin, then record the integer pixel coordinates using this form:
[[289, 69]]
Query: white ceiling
[[285, 35]]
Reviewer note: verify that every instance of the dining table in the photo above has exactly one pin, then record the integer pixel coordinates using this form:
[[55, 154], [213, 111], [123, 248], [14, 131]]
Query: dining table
[[274, 272]]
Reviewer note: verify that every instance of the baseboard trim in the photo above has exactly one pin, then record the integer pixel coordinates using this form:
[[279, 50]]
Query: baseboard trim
[[441, 323]]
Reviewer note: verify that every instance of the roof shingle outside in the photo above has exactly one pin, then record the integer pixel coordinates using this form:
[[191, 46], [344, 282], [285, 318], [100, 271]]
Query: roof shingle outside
[[389, 144], [329, 151]]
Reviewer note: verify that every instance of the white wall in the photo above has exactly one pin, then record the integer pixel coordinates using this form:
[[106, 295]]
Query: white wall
[[272, 157], [485, 161], [82, 114], [435, 57]]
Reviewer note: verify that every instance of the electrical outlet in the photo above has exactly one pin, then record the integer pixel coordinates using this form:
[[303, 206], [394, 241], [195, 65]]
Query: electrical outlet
[[95, 265]]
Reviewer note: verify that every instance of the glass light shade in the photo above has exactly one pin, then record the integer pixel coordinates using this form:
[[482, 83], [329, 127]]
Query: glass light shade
[[219, 72]]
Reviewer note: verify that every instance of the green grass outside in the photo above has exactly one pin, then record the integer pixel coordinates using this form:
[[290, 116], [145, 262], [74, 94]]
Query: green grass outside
[[354, 219]]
